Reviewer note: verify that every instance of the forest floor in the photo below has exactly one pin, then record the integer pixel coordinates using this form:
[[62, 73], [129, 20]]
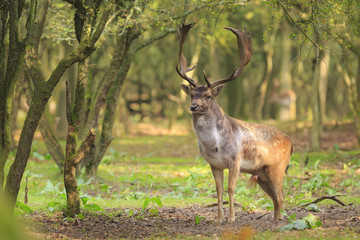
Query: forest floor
[[339, 173], [179, 223]]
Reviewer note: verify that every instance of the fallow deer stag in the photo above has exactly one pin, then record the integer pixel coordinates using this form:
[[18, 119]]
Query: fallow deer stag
[[228, 143]]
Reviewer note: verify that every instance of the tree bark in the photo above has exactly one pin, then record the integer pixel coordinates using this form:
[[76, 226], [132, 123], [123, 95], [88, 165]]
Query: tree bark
[[286, 113], [51, 142], [315, 103], [72, 160], [43, 91], [9, 71], [111, 104], [324, 70], [73, 114]]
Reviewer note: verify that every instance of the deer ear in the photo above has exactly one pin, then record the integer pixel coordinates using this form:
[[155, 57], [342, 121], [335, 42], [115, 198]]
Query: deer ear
[[217, 90], [186, 88]]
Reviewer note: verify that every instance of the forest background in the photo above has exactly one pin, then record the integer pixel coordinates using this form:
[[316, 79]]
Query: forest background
[[78, 74]]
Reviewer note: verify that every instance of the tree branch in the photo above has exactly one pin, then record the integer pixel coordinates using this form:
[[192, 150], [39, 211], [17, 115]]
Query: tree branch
[[68, 103], [154, 38], [297, 26], [332, 197], [85, 147], [104, 16]]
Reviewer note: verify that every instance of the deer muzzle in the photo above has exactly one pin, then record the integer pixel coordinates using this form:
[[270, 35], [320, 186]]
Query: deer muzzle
[[194, 107]]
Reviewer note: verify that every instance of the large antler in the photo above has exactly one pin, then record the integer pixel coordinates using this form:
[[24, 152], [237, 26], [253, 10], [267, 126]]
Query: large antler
[[244, 45], [182, 33]]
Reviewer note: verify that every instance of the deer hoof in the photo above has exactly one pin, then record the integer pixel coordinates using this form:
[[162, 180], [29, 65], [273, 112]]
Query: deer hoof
[[231, 220], [278, 218], [219, 220]]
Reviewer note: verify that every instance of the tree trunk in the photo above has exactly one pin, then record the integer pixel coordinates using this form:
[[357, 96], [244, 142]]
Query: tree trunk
[[285, 112], [324, 70], [17, 169], [9, 71], [73, 115], [262, 89], [51, 142], [111, 104], [315, 104], [357, 103], [42, 93]]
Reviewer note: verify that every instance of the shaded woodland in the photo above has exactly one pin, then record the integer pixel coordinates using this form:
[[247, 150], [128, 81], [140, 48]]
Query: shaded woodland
[[80, 73]]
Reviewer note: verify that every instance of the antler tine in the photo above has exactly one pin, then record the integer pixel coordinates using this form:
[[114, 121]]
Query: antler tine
[[244, 46], [206, 79], [182, 33]]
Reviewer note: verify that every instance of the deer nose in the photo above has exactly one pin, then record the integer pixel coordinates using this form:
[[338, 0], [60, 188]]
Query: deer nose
[[194, 107]]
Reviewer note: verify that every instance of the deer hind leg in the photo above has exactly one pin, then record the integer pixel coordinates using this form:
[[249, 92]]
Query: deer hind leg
[[272, 186], [219, 179]]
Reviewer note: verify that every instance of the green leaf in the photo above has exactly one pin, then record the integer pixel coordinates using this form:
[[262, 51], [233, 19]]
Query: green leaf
[[48, 157], [146, 203], [156, 200], [84, 199], [314, 207], [301, 224], [93, 207], [287, 227], [24, 207], [104, 187], [313, 220], [154, 212], [198, 219]]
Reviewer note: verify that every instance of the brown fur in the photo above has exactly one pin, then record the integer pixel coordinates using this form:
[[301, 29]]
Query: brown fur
[[228, 143], [239, 146]]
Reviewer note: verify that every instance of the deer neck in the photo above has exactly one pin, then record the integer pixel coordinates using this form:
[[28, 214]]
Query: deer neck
[[207, 126]]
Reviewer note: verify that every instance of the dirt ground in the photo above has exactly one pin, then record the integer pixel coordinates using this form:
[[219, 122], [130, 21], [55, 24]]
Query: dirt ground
[[172, 222]]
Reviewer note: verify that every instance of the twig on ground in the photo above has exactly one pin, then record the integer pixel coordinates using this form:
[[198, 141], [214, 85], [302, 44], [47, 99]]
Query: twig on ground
[[331, 197], [262, 215], [301, 178], [226, 202]]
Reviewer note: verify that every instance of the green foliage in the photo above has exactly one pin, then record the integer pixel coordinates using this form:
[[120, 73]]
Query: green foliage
[[314, 208], [138, 186], [198, 219], [146, 203], [310, 221], [55, 206], [61, 27], [25, 208]]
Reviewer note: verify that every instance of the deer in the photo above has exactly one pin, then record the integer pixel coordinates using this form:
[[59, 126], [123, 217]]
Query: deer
[[229, 143]]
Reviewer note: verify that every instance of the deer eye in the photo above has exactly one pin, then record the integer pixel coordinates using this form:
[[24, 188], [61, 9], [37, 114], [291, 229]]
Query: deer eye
[[208, 97]]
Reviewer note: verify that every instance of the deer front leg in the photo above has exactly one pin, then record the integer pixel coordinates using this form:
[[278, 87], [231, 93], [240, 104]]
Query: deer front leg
[[233, 175], [219, 178]]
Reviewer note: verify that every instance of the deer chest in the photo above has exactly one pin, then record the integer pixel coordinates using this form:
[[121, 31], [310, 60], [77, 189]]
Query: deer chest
[[215, 150]]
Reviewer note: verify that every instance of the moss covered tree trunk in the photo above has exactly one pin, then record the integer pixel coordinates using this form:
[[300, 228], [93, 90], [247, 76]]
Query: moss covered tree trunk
[[51, 142], [109, 93], [71, 160], [10, 12], [111, 105], [42, 88], [84, 29]]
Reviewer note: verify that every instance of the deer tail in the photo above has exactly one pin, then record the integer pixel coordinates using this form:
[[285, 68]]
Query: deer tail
[[253, 180]]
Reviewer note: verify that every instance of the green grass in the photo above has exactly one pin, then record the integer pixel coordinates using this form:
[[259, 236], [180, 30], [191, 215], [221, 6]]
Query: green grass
[[126, 178]]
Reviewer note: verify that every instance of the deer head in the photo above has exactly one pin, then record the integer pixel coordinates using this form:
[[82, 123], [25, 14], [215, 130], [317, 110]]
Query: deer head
[[203, 95]]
